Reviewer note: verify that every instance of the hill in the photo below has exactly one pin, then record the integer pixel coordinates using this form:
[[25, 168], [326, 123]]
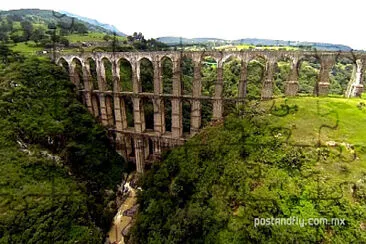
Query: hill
[[94, 22], [30, 31], [298, 159], [43, 18]]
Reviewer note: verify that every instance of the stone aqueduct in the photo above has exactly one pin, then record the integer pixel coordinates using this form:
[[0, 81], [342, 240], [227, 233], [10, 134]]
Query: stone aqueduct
[[140, 144]]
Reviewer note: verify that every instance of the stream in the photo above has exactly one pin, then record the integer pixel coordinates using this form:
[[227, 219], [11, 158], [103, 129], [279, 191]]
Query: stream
[[121, 222]]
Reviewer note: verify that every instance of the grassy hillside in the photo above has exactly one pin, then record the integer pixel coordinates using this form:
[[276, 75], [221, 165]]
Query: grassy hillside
[[42, 18], [299, 157], [30, 30]]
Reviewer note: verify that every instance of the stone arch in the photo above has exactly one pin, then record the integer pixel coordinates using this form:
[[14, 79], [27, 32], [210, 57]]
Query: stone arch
[[77, 73], [93, 73], [64, 64], [107, 73], [256, 72], [341, 75], [282, 73], [308, 69], [146, 75], [96, 106], [187, 75], [125, 73], [145, 57], [167, 75], [231, 76], [225, 58]]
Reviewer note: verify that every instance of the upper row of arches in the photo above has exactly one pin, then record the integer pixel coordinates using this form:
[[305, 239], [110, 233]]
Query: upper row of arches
[[208, 65]]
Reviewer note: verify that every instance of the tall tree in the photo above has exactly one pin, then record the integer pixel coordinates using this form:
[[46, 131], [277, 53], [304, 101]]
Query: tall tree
[[27, 28]]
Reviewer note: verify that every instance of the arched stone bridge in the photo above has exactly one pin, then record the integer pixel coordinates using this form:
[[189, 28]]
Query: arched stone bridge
[[136, 142]]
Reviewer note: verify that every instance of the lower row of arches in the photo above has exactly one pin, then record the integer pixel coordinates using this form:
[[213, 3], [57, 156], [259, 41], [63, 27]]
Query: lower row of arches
[[147, 110]]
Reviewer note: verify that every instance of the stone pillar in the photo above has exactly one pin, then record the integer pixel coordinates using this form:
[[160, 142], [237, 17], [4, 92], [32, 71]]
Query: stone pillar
[[326, 65], [157, 77], [243, 80], [87, 87], [96, 107], [101, 85], [157, 148], [177, 111], [72, 73], [158, 105], [267, 88], [138, 115], [123, 113], [109, 104], [100, 74], [217, 104], [146, 148], [120, 148], [136, 81], [103, 109], [116, 97], [177, 122], [127, 144], [177, 86], [196, 103], [292, 83], [159, 119], [139, 154]]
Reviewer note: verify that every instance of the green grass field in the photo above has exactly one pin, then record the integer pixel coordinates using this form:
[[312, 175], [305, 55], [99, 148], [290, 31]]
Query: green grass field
[[90, 37], [338, 124], [28, 48], [313, 112]]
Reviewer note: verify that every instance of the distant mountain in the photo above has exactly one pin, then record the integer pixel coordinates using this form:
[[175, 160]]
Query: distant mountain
[[170, 40], [45, 17], [109, 27]]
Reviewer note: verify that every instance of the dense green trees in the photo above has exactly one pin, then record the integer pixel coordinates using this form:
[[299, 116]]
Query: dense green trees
[[138, 42], [211, 189], [58, 169], [28, 25]]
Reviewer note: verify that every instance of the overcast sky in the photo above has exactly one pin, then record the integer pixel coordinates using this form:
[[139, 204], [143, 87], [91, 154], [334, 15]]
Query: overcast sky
[[339, 22]]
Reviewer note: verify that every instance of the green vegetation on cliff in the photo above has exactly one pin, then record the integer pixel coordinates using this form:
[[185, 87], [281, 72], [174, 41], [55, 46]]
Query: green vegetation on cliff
[[301, 157], [58, 172]]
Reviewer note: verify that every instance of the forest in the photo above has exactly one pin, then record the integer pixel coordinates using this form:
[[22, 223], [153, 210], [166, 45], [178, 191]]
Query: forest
[[59, 172]]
